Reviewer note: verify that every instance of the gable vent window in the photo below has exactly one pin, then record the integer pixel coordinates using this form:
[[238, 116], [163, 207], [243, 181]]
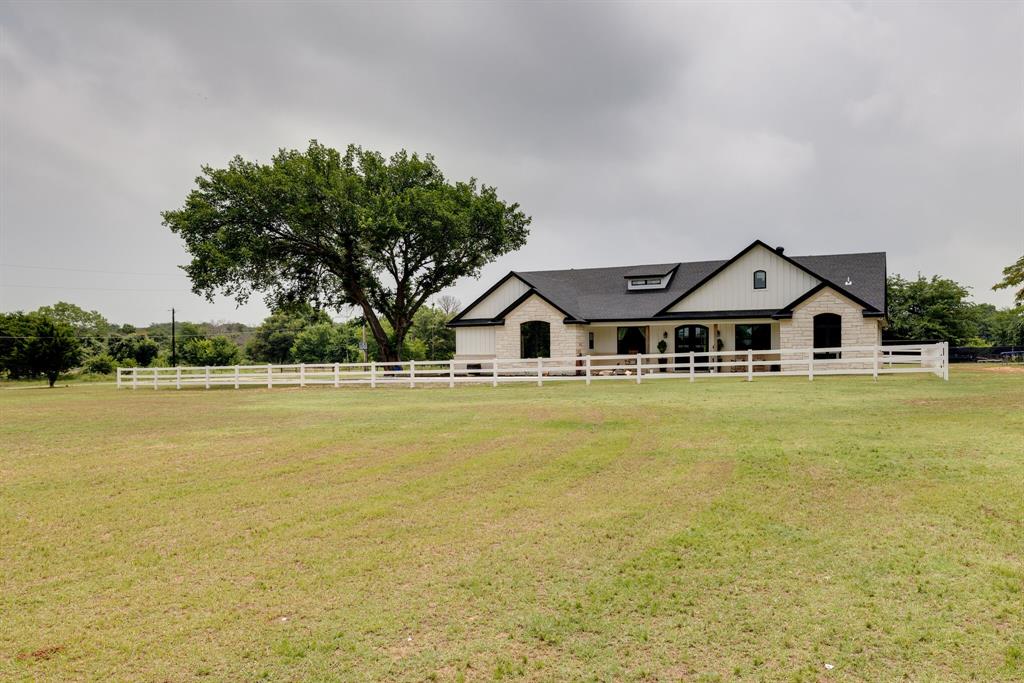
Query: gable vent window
[[760, 279]]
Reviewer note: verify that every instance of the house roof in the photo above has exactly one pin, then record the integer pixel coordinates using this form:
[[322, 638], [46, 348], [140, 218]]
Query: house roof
[[600, 294]]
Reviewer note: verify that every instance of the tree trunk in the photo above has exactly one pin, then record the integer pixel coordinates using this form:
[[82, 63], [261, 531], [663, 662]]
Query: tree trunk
[[388, 351], [51, 378]]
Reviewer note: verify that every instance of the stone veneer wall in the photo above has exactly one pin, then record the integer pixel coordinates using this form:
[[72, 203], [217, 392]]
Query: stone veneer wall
[[798, 331], [566, 340]]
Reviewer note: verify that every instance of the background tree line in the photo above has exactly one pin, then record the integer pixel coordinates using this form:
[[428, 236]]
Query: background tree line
[[939, 308], [56, 339]]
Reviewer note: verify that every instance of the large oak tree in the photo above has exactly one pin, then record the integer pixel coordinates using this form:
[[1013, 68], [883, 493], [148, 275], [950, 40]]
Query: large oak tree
[[1013, 278], [334, 230]]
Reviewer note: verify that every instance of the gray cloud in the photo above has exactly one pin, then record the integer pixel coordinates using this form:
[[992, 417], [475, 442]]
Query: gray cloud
[[631, 133]]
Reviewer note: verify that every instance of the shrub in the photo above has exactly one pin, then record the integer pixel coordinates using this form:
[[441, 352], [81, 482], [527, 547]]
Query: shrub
[[323, 343], [101, 364], [140, 349], [212, 351]]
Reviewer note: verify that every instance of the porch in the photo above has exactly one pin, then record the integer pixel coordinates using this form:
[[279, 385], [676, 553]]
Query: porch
[[713, 340]]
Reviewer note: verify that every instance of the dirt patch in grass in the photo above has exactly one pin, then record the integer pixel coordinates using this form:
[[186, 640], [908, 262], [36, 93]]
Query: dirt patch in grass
[[1010, 369], [43, 653]]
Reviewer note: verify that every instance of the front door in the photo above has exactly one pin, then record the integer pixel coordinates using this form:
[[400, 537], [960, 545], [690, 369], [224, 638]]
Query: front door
[[691, 338]]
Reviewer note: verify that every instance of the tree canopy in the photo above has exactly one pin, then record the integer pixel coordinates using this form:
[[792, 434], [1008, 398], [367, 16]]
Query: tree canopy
[[33, 344], [935, 308], [218, 350], [1013, 276], [91, 328], [273, 340], [332, 229]]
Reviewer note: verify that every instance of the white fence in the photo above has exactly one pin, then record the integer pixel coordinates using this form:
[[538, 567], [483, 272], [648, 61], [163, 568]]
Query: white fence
[[810, 363]]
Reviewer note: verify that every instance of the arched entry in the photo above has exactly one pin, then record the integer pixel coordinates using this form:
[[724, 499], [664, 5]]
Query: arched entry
[[535, 339], [828, 333], [691, 338]]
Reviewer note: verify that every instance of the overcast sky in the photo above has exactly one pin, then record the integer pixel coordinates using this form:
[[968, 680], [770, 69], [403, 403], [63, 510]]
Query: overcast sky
[[631, 133]]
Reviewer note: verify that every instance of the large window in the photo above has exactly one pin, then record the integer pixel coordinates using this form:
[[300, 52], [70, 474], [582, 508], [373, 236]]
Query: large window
[[828, 333], [535, 339], [631, 340], [760, 279], [753, 337]]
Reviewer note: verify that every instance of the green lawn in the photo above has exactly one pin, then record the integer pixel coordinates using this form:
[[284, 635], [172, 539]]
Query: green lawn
[[671, 531]]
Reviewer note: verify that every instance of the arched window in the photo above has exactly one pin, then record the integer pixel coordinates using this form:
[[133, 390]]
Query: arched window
[[760, 279], [828, 333], [535, 339]]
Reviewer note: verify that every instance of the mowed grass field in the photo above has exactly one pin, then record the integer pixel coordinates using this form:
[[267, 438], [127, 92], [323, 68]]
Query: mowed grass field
[[778, 530]]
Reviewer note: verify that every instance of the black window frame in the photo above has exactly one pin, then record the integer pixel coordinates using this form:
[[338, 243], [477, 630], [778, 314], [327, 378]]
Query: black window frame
[[535, 338], [764, 279], [826, 335], [754, 337], [590, 341]]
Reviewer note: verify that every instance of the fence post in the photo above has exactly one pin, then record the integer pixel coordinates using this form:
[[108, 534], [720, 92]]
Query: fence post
[[693, 357], [540, 366], [945, 360], [207, 377], [236, 377], [337, 375], [302, 374], [156, 374], [750, 365], [451, 374], [874, 363], [373, 374], [135, 378], [588, 369], [270, 378], [119, 378], [412, 374], [639, 367], [810, 364], [177, 377], [494, 372]]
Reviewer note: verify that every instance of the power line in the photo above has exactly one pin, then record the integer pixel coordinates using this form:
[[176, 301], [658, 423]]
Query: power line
[[99, 289], [89, 270], [120, 335]]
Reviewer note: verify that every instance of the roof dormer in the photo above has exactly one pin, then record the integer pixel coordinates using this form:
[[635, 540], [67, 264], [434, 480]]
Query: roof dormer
[[650, 278]]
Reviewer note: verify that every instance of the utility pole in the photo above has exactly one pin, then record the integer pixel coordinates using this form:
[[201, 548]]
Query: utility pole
[[174, 345]]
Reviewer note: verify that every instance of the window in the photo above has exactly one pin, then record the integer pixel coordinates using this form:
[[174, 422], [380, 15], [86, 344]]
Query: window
[[760, 279], [631, 340], [828, 333], [753, 337], [590, 340], [634, 282], [535, 339]]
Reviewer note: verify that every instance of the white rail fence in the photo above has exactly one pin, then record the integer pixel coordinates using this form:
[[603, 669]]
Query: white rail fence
[[810, 363]]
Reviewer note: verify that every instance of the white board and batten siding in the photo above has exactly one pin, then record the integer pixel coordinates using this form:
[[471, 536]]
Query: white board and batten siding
[[474, 341], [733, 288], [498, 300]]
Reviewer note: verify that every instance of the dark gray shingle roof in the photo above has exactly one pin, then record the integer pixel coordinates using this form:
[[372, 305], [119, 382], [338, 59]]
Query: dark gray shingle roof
[[601, 294], [594, 294], [866, 273]]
